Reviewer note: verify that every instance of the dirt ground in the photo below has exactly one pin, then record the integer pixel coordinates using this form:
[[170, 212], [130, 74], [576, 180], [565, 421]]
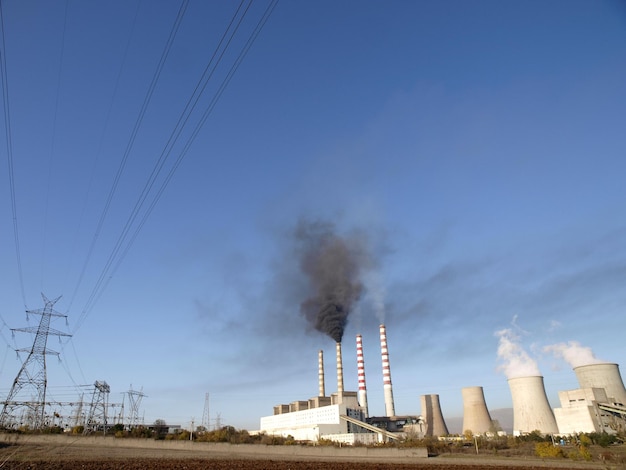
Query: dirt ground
[[71, 457]]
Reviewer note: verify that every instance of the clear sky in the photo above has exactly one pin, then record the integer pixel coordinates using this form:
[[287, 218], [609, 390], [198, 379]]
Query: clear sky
[[475, 151]]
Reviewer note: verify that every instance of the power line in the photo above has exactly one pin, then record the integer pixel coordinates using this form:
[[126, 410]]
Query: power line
[[115, 257], [52, 145], [9, 144], [95, 162], [129, 146]]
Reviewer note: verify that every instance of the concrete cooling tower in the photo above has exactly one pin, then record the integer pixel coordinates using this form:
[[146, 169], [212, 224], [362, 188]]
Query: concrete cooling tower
[[431, 412], [531, 409], [475, 414], [604, 375]]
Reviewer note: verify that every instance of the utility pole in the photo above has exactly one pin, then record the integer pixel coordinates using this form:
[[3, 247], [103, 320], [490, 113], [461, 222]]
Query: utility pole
[[32, 378]]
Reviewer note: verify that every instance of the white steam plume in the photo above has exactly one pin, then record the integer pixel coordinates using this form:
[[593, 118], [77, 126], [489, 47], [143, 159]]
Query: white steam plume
[[573, 353], [515, 361], [376, 293]]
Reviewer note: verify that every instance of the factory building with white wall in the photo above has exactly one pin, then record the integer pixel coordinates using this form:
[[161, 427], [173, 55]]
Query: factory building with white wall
[[598, 406], [343, 416], [314, 424]]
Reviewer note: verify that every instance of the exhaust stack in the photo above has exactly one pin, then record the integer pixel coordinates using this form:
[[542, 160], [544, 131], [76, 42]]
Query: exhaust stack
[[320, 374], [387, 388], [475, 413], [531, 409], [339, 375], [361, 373]]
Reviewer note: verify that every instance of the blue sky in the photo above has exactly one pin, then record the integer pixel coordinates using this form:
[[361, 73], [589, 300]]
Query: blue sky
[[476, 148]]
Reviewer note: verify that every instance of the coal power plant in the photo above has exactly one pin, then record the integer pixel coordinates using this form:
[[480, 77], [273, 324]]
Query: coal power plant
[[343, 416]]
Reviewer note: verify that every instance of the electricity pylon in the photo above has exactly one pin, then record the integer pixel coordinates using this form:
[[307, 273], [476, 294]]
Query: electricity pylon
[[205, 413], [97, 416], [134, 399], [29, 387]]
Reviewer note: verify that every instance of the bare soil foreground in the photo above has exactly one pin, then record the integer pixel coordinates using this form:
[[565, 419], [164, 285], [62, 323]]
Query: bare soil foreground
[[88, 453]]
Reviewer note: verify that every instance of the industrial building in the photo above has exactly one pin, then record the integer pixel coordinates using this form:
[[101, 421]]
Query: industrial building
[[598, 406], [342, 416]]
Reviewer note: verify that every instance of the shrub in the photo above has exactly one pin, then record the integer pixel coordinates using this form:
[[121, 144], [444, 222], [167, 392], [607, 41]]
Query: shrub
[[602, 439], [546, 449], [582, 453]]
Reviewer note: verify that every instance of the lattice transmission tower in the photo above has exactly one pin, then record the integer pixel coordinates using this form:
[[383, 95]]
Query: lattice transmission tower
[[134, 401], [26, 402], [97, 417], [205, 414]]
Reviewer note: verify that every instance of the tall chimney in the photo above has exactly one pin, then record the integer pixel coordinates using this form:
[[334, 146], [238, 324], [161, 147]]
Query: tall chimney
[[389, 407], [339, 375], [603, 375], [475, 414], [531, 409], [361, 373], [320, 374], [431, 411]]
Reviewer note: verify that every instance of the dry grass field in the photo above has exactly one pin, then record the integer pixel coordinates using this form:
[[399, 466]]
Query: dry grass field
[[73, 454]]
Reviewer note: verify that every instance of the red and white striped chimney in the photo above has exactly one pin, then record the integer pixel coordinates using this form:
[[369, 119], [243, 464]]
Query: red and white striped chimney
[[320, 374], [389, 407], [339, 374], [361, 373]]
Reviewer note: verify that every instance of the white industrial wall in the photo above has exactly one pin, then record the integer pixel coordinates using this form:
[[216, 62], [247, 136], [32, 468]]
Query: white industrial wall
[[578, 412], [307, 424]]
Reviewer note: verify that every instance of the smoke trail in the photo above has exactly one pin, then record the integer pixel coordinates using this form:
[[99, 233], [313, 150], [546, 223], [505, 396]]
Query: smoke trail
[[573, 353], [376, 293], [333, 267], [515, 361]]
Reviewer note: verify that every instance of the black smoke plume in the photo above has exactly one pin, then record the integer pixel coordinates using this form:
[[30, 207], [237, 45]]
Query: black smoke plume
[[332, 265]]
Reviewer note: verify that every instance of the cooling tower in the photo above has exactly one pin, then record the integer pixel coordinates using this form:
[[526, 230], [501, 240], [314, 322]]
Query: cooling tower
[[360, 363], [475, 414], [339, 374], [320, 374], [431, 412], [531, 409], [389, 406], [604, 375]]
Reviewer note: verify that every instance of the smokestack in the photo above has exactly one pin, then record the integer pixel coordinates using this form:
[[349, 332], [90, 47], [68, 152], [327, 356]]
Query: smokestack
[[389, 406], [431, 412], [361, 373], [475, 414], [320, 374], [339, 374], [602, 375], [531, 409]]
